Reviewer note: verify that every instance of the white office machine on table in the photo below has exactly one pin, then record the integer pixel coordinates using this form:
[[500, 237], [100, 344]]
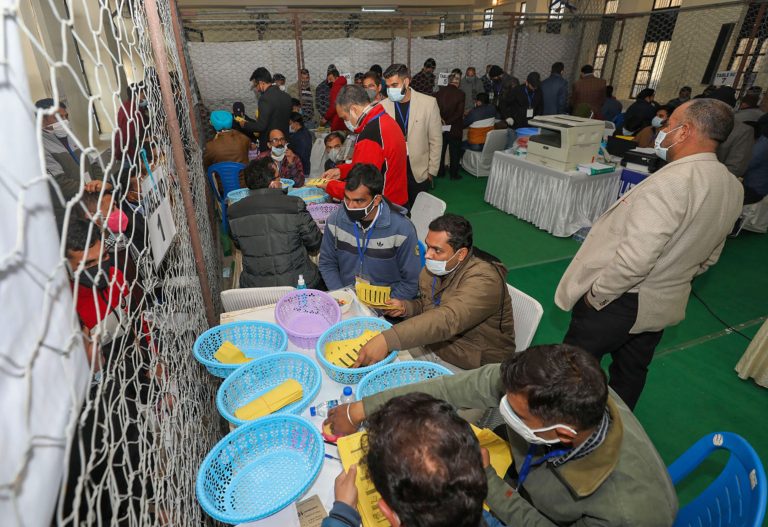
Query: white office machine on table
[[564, 141]]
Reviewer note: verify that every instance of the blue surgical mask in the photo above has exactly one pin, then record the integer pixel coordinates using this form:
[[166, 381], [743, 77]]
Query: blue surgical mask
[[660, 150], [657, 122], [396, 94], [438, 268], [278, 151]]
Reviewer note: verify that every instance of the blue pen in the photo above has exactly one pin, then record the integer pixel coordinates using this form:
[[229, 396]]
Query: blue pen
[[331, 457], [146, 164]]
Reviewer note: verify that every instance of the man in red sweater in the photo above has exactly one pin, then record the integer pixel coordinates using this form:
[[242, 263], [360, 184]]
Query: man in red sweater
[[380, 142], [331, 116]]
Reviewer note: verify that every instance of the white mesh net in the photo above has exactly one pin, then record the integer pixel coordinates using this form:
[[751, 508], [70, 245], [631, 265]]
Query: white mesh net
[[108, 415]]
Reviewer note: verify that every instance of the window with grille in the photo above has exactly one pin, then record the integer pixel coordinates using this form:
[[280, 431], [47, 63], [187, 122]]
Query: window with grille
[[611, 7], [658, 36], [441, 30], [523, 7], [666, 4], [556, 13], [604, 36], [750, 57], [599, 62]]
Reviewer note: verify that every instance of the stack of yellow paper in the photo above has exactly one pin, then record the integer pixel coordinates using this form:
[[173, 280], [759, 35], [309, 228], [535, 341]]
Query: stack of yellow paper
[[351, 452], [228, 353], [343, 353], [315, 182], [279, 397], [498, 449], [373, 295]]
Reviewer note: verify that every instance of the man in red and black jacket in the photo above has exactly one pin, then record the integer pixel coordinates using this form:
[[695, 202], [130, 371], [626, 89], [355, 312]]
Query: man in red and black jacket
[[331, 116], [380, 142]]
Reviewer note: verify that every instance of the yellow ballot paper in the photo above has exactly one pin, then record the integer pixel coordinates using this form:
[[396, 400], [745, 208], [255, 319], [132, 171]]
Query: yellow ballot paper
[[501, 456], [228, 353], [344, 353], [278, 397], [373, 295], [351, 452], [315, 182]]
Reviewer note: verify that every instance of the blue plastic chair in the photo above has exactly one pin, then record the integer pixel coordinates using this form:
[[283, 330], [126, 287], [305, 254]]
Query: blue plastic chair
[[229, 175], [737, 497], [422, 253], [619, 121]]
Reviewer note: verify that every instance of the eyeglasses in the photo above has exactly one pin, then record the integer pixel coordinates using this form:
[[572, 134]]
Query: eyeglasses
[[278, 141]]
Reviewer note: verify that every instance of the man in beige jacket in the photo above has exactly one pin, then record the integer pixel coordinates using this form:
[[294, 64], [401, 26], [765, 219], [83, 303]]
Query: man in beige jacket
[[632, 277], [419, 118]]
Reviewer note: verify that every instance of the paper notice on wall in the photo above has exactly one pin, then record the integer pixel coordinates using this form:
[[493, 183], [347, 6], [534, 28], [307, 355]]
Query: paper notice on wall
[[351, 453], [442, 79], [155, 198], [724, 78], [347, 76]]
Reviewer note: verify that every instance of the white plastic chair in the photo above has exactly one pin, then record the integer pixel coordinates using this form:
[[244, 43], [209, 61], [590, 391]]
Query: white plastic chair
[[527, 312], [479, 163], [236, 299], [755, 216], [610, 128], [425, 209]]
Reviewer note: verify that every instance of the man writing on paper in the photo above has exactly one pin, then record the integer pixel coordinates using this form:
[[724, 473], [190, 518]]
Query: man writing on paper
[[581, 458], [463, 315], [405, 458]]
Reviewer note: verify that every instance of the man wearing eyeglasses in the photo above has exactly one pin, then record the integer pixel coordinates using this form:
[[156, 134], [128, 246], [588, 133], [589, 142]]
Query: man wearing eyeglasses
[[288, 163]]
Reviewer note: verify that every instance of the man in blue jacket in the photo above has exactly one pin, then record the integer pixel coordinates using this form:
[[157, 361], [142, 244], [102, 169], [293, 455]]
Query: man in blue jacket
[[554, 89], [370, 239]]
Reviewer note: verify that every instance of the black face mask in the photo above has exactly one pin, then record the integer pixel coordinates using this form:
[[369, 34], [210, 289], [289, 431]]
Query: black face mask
[[92, 278], [355, 215]]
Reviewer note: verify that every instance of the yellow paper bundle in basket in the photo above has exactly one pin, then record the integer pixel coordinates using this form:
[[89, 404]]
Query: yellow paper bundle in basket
[[373, 295], [281, 396], [343, 353], [228, 353]]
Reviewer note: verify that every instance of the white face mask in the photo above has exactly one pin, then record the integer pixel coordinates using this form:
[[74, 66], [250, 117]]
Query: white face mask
[[351, 127], [523, 430], [58, 128], [660, 150], [278, 153], [438, 268], [333, 154], [657, 122], [281, 86], [396, 94]]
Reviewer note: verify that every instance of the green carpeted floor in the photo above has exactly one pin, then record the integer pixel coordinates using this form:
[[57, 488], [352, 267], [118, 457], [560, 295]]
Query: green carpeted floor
[[692, 388]]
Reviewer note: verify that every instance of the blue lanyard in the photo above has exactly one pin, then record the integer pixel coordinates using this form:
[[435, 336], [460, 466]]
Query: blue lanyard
[[407, 114], [529, 95], [528, 464], [435, 299], [71, 152], [366, 240]]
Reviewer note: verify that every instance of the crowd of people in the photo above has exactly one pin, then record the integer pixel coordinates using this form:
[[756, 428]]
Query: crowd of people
[[580, 455]]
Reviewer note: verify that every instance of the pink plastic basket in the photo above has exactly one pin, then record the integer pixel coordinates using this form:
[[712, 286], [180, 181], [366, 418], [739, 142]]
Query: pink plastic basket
[[305, 314], [320, 212]]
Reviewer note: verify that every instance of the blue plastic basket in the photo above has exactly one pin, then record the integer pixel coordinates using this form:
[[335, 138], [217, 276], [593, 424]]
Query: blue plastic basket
[[350, 329], [399, 374], [261, 375], [310, 194], [259, 469], [287, 183], [237, 195], [255, 339]]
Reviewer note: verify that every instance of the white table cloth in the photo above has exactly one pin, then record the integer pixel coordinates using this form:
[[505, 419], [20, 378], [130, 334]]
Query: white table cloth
[[558, 202], [329, 389]]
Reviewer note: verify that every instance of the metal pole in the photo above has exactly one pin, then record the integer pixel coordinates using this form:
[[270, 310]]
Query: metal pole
[[510, 31], [299, 51], [410, 29], [392, 47], [752, 35], [183, 62], [617, 51], [161, 64]]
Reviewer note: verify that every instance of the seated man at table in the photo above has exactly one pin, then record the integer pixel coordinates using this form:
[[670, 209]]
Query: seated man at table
[[479, 121], [274, 231], [463, 315], [333, 148], [288, 163], [414, 468], [581, 458], [228, 145], [370, 239]]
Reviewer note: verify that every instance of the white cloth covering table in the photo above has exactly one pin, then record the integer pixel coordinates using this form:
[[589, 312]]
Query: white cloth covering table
[[329, 389], [558, 202]]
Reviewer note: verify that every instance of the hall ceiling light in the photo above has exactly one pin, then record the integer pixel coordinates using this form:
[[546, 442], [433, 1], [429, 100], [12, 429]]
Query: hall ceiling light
[[379, 9]]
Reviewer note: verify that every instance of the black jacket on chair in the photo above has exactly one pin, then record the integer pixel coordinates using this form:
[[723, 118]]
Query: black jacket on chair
[[274, 232]]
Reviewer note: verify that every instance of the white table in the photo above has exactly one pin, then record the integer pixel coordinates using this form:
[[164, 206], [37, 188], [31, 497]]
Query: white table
[[558, 202], [329, 389]]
